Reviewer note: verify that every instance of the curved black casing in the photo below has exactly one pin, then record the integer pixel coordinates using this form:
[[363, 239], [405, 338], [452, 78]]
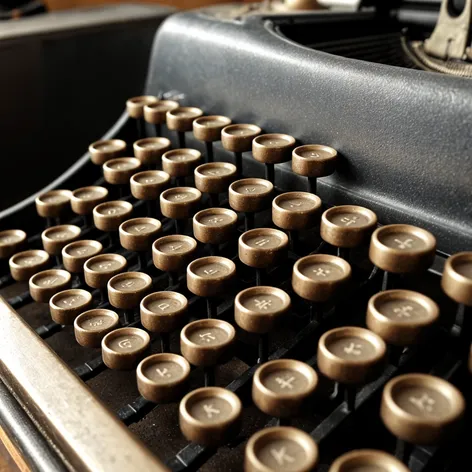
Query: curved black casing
[[404, 135]]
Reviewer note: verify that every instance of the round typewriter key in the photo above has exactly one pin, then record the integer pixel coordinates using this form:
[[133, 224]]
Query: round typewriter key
[[262, 248], [162, 377], [53, 204], [135, 106], [119, 171], [24, 265], [181, 119], [45, 284], [258, 309], [350, 355], [421, 409], [400, 317], [281, 449], [150, 150], [295, 211], [214, 225], [367, 460], [85, 199], [123, 348], [180, 163], [57, 237], [108, 216], [126, 290], [163, 312], [92, 326], [138, 234], [313, 161], [148, 185], [320, 277], [238, 139], [272, 149], [67, 305], [214, 178], [155, 113], [208, 129], [98, 270], [11, 240], [75, 254], [103, 151], [172, 254], [250, 196], [347, 226], [206, 343], [210, 416], [180, 203], [402, 248], [457, 278], [281, 387]]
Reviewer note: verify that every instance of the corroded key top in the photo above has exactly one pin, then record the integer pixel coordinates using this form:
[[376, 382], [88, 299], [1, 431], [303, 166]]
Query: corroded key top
[[11, 241], [85, 199], [214, 225], [238, 139], [65, 306], [347, 226], [155, 113], [350, 356], [150, 150], [295, 211], [53, 204], [210, 416], [421, 409], [103, 151], [280, 449], [162, 377], [180, 119], [214, 178], [207, 342], [118, 171], [45, 284], [126, 290], [57, 237], [272, 149], [180, 163], [108, 216], [75, 254], [313, 161], [401, 317], [281, 387], [208, 129], [24, 265], [92, 326], [135, 105], [365, 460], [123, 348]]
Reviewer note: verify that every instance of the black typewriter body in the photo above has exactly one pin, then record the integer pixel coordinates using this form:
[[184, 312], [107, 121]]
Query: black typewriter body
[[403, 137]]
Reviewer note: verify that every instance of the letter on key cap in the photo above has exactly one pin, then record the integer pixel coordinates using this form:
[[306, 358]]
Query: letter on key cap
[[11, 240], [24, 265], [45, 284]]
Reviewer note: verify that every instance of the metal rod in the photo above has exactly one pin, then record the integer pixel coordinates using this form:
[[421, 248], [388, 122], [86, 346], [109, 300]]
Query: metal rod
[[139, 128], [315, 311], [385, 281], [215, 201], [350, 397], [165, 342], [270, 173], [173, 279], [283, 421], [403, 451], [142, 261], [258, 277], [238, 161], [209, 376], [211, 308], [128, 316], [312, 185], [158, 129], [263, 348], [248, 221], [344, 253], [181, 139], [209, 151]]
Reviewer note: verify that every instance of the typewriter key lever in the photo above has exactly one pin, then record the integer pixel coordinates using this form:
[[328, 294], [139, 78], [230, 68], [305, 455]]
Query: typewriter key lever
[[84, 200], [92, 326], [180, 204], [102, 151], [420, 409], [148, 185], [180, 163], [24, 265], [11, 241], [281, 448], [150, 150], [76, 254], [135, 108], [214, 178], [155, 113], [55, 238], [53, 204], [181, 120], [65, 306]]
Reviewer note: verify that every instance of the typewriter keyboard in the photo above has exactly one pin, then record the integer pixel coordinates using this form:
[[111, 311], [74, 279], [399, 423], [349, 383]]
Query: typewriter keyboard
[[235, 326]]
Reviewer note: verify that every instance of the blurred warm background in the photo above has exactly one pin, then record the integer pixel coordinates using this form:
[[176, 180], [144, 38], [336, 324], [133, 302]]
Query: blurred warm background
[[63, 4]]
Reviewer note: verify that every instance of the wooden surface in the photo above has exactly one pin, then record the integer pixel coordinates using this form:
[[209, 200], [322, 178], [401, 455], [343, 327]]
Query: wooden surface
[[183, 4]]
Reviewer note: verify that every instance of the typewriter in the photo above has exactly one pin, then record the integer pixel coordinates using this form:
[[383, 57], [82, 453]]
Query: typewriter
[[263, 265]]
